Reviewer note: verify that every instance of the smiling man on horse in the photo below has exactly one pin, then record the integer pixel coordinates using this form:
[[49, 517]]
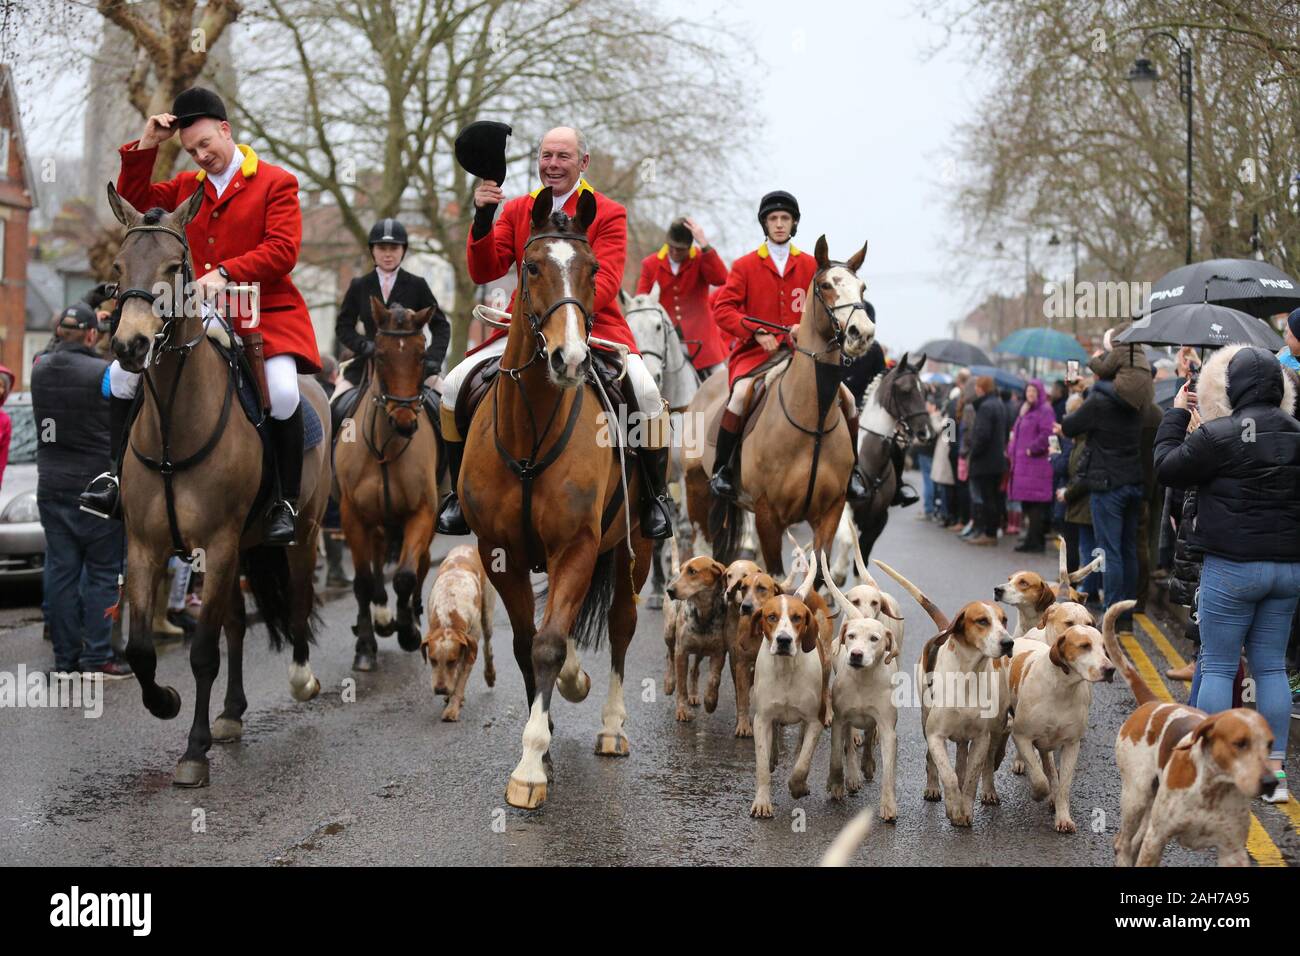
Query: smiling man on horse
[[684, 268], [248, 230], [768, 285], [494, 249]]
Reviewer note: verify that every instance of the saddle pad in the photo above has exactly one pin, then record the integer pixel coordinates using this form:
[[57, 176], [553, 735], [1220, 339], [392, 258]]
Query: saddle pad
[[312, 430], [757, 399]]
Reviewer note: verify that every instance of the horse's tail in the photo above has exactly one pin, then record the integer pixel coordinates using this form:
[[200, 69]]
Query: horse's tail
[[726, 527], [267, 571], [593, 616]]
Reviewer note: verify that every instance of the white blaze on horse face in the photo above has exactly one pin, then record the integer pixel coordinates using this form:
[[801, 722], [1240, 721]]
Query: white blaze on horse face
[[859, 330], [574, 349]]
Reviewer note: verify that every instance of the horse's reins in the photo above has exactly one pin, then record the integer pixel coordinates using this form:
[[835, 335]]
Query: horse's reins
[[833, 346], [528, 468], [165, 465], [667, 328], [382, 399]]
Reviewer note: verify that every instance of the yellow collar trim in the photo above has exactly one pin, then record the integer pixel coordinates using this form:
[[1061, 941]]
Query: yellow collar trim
[[248, 167], [583, 186], [663, 252], [763, 253]]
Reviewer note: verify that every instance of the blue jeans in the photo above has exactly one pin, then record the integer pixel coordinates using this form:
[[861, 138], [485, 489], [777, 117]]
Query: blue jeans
[[1087, 543], [1114, 528], [1248, 604], [924, 462], [82, 557]]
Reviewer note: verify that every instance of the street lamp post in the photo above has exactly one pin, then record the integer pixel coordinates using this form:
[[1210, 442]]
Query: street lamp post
[[1143, 76], [1074, 278]]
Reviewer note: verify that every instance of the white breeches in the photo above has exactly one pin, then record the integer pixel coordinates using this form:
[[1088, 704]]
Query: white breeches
[[281, 382], [643, 383]]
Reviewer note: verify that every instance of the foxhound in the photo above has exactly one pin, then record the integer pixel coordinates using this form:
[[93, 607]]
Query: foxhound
[[460, 617], [1186, 775], [961, 697], [694, 623]]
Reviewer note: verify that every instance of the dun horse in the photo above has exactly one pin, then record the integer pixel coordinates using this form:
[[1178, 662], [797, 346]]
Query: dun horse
[[387, 470], [538, 487], [795, 462], [190, 481], [895, 410]]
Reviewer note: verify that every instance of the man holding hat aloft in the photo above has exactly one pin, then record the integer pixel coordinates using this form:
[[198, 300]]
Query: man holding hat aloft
[[248, 231], [684, 268]]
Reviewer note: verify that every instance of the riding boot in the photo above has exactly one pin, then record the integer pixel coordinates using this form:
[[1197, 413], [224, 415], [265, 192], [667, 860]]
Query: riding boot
[[450, 518], [858, 493], [101, 496], [904, 494], [286, 442], [656, 505], [335, 574], [723, 482]]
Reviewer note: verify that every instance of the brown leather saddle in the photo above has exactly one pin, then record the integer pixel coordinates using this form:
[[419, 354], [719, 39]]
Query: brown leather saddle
[[606, 365], [758, 396]]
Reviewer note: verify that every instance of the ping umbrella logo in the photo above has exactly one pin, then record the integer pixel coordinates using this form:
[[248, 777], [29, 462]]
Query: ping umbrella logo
[[75, 909], [1216, 329]]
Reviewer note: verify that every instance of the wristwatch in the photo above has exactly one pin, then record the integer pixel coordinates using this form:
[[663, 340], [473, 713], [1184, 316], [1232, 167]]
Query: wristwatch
[[221, 271]]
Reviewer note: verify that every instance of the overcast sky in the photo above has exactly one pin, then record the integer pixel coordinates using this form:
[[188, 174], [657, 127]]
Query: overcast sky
[[884, 111]]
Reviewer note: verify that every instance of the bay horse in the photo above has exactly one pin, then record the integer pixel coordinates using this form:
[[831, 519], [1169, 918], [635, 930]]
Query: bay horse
[[795, 462], [190, 482], [666, 359], [894, 409], [536, 486], [386, 466]]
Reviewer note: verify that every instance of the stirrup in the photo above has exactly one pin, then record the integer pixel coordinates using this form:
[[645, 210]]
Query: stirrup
[[722, 484], [273, 515], [905, 495], [109, 496]]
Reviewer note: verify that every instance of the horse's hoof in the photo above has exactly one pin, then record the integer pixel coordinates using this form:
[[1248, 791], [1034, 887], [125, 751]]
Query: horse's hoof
[[191, 773], [169, 706], [525, 796], [227, 730], [575, 695], [612, 745], [408, 638], [363, 661], [654, 602], [305, 692]]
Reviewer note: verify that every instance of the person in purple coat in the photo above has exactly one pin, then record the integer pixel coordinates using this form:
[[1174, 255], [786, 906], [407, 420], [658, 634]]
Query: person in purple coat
[[1031, 463]]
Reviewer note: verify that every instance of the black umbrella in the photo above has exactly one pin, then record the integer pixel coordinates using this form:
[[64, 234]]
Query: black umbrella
[[1202, 325], [1247, 285], [955, 351]]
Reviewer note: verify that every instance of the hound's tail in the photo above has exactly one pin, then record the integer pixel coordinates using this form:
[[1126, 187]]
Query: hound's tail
[[849, 840], [936, 615], [1141, 691]]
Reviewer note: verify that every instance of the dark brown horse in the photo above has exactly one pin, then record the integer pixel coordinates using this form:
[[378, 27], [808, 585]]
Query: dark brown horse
[[387, 471], [894, 410], [190, 480], [538, 481]]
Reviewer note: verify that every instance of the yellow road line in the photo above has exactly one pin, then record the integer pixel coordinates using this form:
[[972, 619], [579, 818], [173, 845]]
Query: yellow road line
[[1290, 809], [1258, 843], [1158, 638]]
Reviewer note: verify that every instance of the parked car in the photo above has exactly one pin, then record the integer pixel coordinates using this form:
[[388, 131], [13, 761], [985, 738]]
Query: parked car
[[22, 539]]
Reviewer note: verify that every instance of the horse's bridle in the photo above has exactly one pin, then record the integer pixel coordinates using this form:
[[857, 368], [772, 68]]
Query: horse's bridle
[[165, 464], [382, 397], [668, 329], [837, 330], [536, 321]]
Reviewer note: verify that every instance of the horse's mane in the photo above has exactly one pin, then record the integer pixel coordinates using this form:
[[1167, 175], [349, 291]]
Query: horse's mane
[[153, 216], [874, 387]]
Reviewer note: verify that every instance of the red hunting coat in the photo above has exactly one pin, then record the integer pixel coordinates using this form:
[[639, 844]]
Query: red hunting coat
[[254, 230], [754, 288], [685, 297], [492, 256]]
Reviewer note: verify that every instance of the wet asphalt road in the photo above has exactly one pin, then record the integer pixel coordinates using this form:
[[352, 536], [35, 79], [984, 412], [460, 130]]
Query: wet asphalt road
[[382, 781]]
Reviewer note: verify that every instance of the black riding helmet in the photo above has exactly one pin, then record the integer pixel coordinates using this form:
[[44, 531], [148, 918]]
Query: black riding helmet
[[388, 230], [778, 201]]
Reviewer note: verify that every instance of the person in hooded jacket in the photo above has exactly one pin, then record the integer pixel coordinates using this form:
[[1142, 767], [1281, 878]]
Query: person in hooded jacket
[[1031, 467], [1244, 462], [1114, 477]]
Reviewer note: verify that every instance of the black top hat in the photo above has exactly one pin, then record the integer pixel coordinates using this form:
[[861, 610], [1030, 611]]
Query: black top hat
[[196, 103], [78, 316], [481, 150]]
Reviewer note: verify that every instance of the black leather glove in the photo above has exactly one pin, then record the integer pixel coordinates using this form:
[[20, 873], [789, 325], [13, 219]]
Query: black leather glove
[[483, 216]]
